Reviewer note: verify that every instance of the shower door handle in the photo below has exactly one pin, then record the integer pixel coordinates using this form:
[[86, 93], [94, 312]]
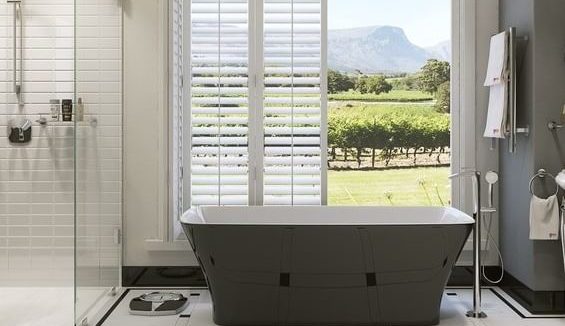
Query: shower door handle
[[117, 236]]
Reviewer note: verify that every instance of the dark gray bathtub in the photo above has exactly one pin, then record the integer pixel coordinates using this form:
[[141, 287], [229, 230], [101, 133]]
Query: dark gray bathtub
[[326, 265]]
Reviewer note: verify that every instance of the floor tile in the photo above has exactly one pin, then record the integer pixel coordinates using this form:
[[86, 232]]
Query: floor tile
[[453, 309], [36, 306]]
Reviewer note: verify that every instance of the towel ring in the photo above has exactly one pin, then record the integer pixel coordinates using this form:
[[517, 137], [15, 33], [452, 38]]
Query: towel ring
[[542, 173]]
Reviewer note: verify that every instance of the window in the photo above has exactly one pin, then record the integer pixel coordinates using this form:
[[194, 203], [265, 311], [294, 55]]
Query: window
[[253, 125], [255, 106], [389, 115], [279, 163]]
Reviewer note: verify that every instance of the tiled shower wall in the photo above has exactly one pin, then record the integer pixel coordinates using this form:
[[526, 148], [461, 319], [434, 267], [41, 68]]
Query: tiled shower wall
[[37, 180]]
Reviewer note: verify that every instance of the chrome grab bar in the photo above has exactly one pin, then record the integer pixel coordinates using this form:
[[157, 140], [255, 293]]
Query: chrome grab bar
[[17, 84]]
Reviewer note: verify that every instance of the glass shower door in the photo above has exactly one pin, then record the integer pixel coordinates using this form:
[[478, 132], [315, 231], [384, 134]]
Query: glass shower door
[[98, 152]]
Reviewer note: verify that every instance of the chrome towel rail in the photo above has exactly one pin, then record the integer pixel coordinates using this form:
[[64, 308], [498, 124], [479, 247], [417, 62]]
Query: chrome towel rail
[[513, 129], [17, 82]]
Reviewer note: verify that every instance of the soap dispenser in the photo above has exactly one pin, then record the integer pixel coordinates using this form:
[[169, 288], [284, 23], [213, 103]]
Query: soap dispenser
[[67, 110], [79, 110]]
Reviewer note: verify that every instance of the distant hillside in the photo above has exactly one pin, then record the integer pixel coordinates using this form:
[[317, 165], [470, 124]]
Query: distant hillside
[[441, 51], [379, 49]]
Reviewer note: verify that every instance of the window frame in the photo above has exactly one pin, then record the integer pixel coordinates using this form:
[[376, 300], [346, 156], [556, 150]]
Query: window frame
[[464, 14]]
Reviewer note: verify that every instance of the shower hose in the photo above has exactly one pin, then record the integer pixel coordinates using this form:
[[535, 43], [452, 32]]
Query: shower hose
[[490, 239]]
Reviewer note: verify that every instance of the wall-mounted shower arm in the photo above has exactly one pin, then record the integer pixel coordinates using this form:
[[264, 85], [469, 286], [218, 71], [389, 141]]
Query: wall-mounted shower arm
[[17, 83]]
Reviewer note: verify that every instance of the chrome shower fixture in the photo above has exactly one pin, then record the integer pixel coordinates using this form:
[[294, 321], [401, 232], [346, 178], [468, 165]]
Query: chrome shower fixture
[[491, 178], [17, 80], [476, 312]]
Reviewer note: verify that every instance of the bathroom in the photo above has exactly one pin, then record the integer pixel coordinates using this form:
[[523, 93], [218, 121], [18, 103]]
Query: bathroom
[[210, 162]]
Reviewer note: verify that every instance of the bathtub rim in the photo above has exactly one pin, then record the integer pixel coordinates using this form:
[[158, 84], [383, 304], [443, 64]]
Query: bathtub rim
[[450, 216]]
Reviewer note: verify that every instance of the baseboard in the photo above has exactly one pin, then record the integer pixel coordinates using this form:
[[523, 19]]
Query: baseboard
[[162, 276], [144, 276], [536, 302]]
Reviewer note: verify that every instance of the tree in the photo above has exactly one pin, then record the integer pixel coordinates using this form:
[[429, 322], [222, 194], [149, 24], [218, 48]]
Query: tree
[[405, 83], [373, 84], [443, 98], [338, 82], [432, 75]]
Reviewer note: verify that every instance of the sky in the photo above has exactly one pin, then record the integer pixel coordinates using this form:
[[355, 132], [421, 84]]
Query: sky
[[425, 22]]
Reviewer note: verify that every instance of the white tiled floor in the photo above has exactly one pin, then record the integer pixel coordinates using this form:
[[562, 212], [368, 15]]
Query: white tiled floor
[[452, 312], [37, 306], [41, 306]]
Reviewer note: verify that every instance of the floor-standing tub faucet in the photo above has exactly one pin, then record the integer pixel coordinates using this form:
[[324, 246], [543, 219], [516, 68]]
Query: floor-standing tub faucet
[[476, 175]]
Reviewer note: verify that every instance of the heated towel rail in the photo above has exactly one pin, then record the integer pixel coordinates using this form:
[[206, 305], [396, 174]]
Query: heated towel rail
[[512, 127]]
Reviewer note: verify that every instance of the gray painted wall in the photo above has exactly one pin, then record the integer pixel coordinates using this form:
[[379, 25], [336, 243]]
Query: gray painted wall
[[538, 264]]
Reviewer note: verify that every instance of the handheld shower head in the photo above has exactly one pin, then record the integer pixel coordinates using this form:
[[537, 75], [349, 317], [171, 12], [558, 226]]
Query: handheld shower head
[[491, 178]]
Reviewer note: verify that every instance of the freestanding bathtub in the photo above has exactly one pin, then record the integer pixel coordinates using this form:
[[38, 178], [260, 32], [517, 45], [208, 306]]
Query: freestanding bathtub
[[326, 265]]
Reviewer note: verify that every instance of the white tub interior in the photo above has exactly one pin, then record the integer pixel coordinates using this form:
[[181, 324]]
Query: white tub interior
[[324, 215]]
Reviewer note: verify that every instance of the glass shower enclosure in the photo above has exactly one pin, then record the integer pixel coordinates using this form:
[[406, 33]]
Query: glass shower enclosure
[[60, 159]]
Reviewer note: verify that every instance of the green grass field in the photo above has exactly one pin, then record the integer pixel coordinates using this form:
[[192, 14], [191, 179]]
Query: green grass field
[[392, 96], [366, 188], [371, 110]]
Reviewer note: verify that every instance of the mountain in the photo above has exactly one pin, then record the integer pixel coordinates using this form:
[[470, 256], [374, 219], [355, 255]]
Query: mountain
[[378, 49], [441, 51]]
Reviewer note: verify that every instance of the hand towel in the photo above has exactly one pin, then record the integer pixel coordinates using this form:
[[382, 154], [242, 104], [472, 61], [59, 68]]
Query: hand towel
[[544, 218]]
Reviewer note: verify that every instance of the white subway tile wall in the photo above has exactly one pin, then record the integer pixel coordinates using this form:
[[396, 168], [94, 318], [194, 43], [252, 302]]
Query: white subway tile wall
[[37, 179]]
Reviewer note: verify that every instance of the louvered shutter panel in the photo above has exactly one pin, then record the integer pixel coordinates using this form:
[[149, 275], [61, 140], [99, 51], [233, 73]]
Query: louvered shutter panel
[[292, 102], [219, 102]]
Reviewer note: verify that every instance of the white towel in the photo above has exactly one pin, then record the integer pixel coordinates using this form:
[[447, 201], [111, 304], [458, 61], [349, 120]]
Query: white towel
[[562, 225], [496, 114], [563, 239], [544, 218], [497, 59], [496, 80]]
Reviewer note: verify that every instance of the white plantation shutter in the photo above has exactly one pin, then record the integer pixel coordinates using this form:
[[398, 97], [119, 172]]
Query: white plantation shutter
[[219, 102], [176, 93], [257, 124], [292, 101]]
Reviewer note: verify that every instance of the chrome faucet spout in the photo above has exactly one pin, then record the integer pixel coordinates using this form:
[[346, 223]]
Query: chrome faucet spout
[[476, 175]]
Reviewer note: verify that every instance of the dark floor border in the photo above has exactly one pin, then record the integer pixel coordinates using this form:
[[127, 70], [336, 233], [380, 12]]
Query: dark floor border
[[511, 306], [535, 302], [112, 308], [498, 295]]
